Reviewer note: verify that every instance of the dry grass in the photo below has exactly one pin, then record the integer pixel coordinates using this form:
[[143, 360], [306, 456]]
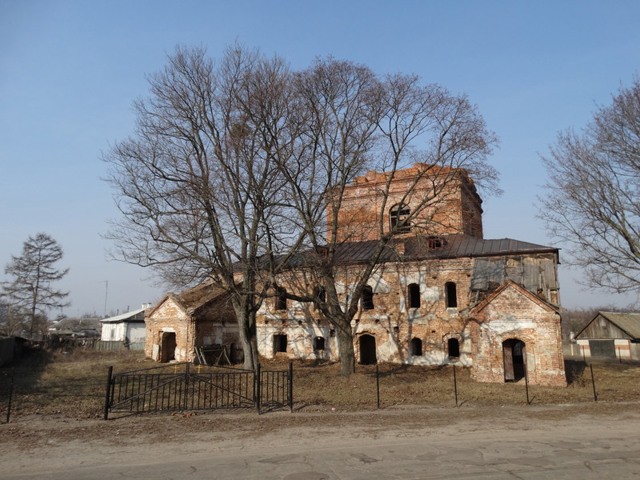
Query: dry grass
[[73, 385]]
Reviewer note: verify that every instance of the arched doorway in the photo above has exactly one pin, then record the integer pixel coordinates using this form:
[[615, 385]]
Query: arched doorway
[[168, 347], [367, 350], [513, 352]]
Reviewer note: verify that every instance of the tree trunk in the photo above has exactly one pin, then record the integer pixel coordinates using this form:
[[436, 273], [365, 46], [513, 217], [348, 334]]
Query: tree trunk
[[345, 348], [248, 337]]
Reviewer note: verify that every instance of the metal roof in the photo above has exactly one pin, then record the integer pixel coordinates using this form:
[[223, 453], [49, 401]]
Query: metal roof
[[420, 248], [629, 322]]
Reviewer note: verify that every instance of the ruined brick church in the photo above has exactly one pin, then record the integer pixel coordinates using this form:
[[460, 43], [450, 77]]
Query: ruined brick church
[[442, 295], [448, 296]]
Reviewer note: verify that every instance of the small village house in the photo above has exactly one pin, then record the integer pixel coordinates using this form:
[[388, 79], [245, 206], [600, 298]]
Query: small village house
[[611, 335], [199, 317], [128, 328]]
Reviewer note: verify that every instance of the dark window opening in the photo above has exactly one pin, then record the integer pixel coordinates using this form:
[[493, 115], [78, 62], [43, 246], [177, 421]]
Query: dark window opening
[[281, 299], [367, 298], [318, 344], [399, 218], [436, 243], [413, 291], [332, 333], [451, 295], [319, 296], [453, 347], [279, 343], [415, 347]]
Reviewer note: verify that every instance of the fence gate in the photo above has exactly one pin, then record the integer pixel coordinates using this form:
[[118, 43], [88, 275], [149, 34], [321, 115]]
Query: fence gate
[[183, 387]]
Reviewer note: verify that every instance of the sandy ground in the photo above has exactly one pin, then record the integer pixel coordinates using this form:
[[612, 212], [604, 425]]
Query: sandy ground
[[58, 447]]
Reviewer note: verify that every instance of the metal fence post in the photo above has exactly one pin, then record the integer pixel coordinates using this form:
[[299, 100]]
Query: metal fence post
[[291, 387], [593, 382], [107, 394], [257, 387], [186, 387], [526, 383], [377, 387], [455, 385]]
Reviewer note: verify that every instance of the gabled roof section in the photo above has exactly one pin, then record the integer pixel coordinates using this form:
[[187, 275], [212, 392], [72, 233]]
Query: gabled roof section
[[191, 300], [132, 316], [628, 322], [511, 284]]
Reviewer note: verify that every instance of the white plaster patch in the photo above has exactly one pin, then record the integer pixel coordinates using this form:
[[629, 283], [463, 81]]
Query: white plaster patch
[[378, 284], [507, 325], [430, 294]]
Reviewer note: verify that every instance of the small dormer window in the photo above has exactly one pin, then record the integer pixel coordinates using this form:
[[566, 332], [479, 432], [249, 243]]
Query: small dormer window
[[436, 243], [399, 218]]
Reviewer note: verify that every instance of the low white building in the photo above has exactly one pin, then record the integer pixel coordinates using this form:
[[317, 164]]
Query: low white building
[[127, 327]]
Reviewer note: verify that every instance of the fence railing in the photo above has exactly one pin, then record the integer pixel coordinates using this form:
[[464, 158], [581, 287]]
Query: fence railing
[[183, 387]]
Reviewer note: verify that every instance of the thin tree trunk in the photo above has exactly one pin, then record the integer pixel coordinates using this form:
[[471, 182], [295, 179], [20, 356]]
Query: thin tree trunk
[[248, 338], [345, 348]]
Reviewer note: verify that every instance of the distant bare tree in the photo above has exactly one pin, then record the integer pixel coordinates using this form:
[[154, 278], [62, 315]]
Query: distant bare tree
[[197, 185], [30, 293], [592, 203], [356, 122]]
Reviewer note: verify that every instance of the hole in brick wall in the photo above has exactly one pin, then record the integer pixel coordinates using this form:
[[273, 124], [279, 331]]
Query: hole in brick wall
[[318, 343], [453, 347], [413, 292], [367, 298], [415, 347], [451, 295], [279, 343]]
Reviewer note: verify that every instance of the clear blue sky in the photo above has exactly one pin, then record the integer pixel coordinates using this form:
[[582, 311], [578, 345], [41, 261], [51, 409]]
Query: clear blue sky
[[69, 71]]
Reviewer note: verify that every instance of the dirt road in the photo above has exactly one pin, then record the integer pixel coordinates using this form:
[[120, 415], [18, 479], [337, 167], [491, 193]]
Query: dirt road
[[587, 441]]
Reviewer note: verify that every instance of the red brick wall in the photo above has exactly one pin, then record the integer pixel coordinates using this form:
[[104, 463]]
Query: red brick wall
[[456, 208]]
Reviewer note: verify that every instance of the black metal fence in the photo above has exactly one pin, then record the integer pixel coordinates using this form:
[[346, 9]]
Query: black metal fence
[[184, 387]]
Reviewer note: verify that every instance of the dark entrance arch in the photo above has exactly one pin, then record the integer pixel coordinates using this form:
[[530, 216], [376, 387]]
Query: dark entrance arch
[[367, 350], [168, 347], [513, 352]]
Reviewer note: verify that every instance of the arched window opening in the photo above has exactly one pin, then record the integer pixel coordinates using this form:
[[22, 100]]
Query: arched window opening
[[413, 292], [451, 295], [319, 295], [281, 299], [367, 298], [415, 347], [367, 350], [399, 218], [453, 347], [318, 344], [279, 343]]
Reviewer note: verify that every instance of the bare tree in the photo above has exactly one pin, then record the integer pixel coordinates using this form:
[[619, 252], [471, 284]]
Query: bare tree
[[356, 122], [592, 203], [30, 293], [197, 186]]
